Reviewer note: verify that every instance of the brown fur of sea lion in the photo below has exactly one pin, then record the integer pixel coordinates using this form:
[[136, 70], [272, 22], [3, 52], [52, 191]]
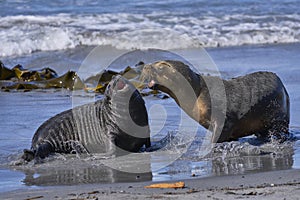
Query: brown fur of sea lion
[[256, 103]]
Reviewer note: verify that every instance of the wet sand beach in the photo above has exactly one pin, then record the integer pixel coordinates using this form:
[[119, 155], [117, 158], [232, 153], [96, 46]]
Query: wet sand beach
[[283, 184]]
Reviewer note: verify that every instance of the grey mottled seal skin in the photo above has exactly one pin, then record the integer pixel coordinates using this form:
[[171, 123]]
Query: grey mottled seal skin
[[116, 123], [256, 103]]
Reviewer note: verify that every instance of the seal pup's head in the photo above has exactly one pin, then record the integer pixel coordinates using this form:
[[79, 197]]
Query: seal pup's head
[[129, 114], [118, 86]]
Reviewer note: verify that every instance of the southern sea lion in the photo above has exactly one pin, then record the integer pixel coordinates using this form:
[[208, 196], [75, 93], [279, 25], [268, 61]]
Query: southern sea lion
[[256, 103], [116, 123]]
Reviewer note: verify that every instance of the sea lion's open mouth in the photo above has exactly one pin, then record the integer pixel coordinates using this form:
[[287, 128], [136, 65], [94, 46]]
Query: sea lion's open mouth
[[151, 84]]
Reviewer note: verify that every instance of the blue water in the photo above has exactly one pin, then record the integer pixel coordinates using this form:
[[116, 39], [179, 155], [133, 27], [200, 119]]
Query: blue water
[[175, 7], [30, 26]]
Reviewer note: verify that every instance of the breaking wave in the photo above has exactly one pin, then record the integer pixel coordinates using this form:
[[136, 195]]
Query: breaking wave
[[24, 34]]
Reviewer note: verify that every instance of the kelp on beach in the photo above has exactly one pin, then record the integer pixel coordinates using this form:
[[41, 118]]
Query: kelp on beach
[[19, 78]]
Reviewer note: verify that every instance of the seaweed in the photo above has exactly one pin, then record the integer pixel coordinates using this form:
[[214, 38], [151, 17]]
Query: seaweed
[[21, 79]]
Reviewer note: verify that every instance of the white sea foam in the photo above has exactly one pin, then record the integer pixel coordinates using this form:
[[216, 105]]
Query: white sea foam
[[23, 34]]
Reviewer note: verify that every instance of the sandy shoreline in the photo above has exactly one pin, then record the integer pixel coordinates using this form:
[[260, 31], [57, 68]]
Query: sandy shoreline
[[284, 184]]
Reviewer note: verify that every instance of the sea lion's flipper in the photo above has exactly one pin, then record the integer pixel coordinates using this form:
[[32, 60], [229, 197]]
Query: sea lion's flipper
[[279, 131]]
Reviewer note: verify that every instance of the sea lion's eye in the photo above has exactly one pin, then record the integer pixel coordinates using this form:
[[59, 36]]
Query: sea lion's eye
[[160, 68]]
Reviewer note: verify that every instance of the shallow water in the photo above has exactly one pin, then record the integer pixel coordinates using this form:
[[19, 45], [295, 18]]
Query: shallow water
[[183, 156]]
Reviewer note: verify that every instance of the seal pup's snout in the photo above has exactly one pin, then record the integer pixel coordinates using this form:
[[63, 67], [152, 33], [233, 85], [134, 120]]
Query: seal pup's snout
[[117, 82], [120, 83]]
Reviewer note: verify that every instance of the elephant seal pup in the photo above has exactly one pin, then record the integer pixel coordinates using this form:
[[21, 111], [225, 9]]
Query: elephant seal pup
[[116, 123], [256, 103]]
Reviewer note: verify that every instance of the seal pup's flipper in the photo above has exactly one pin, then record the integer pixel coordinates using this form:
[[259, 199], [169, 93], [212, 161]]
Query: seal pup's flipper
[[44, 150], [41, 152], [28, 155]]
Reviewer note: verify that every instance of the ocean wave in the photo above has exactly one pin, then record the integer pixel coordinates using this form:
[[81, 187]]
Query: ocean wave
[[24, 34]]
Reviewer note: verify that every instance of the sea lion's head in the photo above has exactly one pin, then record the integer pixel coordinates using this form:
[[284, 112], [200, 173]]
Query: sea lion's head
[[166, 75]]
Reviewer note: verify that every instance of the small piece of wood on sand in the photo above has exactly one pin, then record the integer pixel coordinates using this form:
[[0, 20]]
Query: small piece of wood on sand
[[166, 185]]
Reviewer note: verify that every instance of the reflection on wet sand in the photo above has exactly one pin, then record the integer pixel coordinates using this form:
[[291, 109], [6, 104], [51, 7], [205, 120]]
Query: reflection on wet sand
[[239, 165], [243, 158], [135, 167], [82, 176], [251, 155]]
